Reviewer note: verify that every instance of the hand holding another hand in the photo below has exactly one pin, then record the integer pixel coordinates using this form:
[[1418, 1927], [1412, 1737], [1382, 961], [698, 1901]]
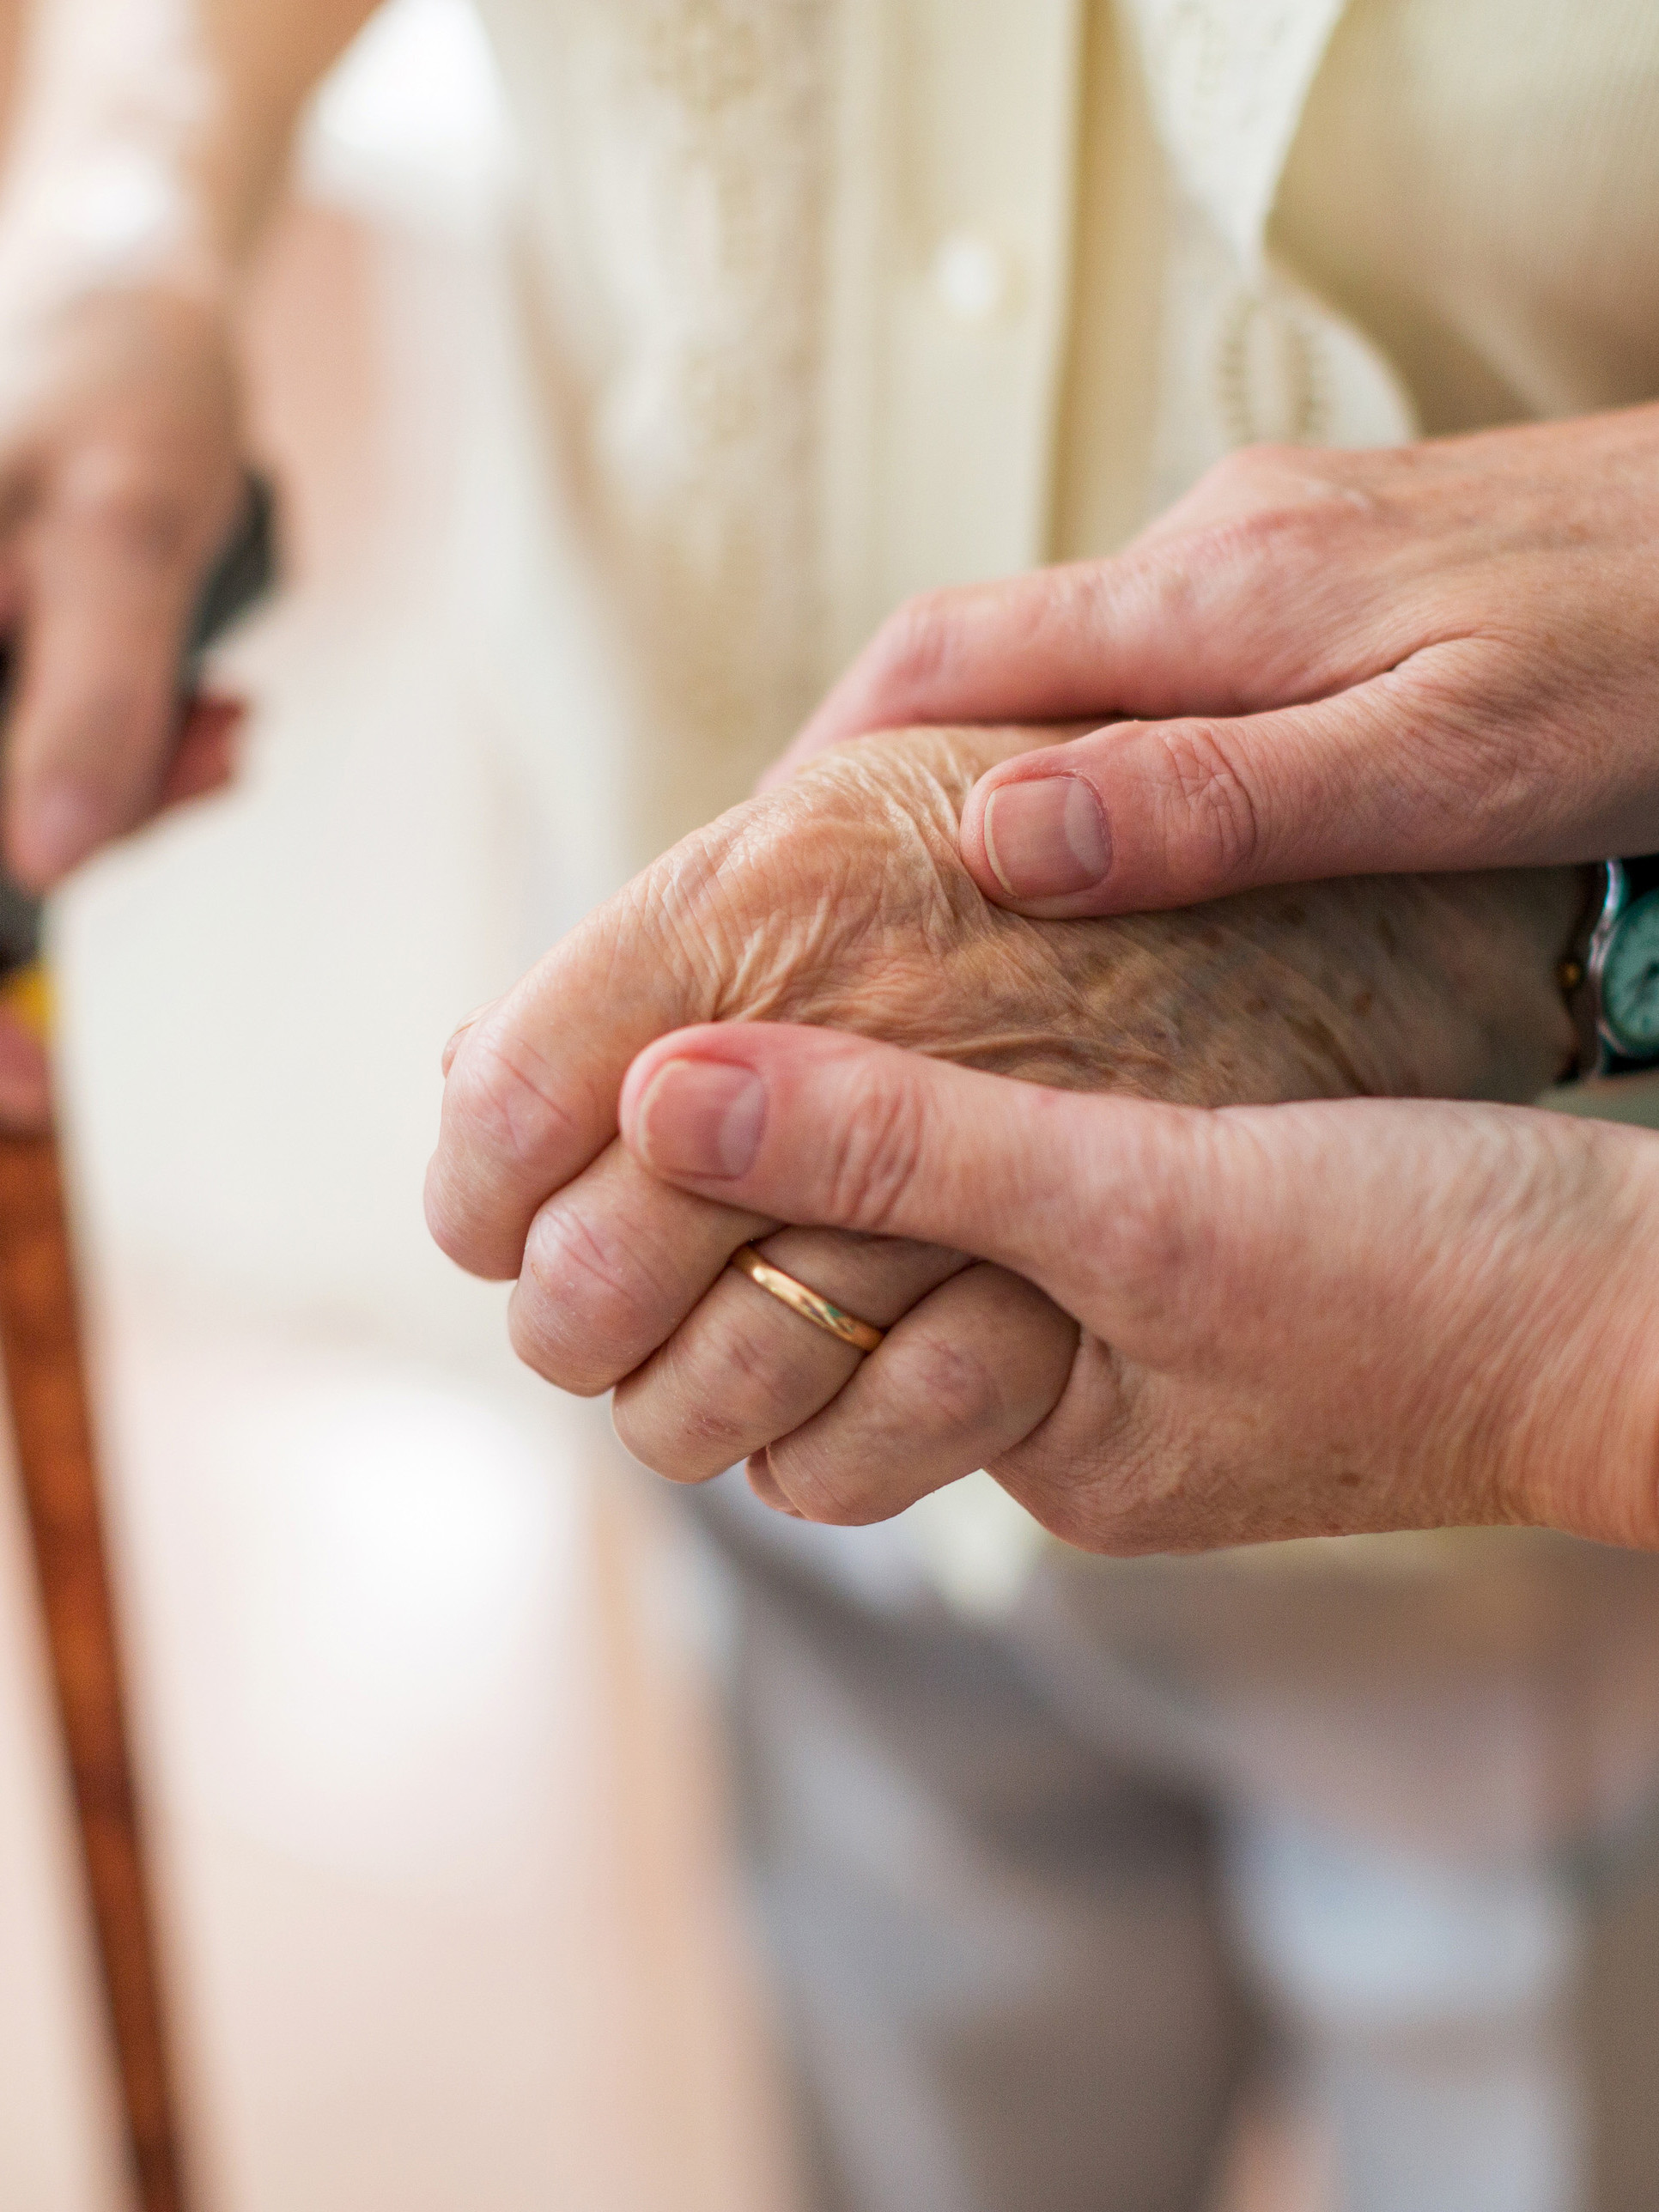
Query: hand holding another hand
[[841, 899], [1312, 1318], [1320, 663], [1265, 1342]]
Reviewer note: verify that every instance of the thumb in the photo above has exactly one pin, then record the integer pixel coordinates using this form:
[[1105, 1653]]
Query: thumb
[[817, 1128], [1141, 816]]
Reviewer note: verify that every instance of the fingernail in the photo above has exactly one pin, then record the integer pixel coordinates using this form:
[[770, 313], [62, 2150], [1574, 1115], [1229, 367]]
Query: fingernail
[[452, 1044], [61, 825], [1047, 836], [700, 1117], [764, 1484]]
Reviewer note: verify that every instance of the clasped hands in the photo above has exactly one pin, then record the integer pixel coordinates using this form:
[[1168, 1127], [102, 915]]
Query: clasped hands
[[1160, 1328]]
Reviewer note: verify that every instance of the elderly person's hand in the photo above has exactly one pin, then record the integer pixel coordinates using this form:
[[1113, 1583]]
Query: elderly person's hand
[[1283, 1321], [1320, 663], [840, 898], [121, 472]]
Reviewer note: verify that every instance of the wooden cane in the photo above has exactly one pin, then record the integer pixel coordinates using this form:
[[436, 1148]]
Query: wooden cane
[[47, 1387], [46, 1371]]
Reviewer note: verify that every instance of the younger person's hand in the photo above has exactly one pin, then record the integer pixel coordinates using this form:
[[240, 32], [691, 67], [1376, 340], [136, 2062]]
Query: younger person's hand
[[1263, 1321], [1319, 664]]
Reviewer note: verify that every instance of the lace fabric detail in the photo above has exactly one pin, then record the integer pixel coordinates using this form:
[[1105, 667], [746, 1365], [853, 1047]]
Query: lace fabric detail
[[692, 140], [1247, 355], [1229, 84], [1248, 358]]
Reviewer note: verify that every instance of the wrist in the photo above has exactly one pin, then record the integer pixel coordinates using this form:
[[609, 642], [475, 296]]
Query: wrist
[[1590, 1458], [122, 210], [1628, 1467], [128, 168]]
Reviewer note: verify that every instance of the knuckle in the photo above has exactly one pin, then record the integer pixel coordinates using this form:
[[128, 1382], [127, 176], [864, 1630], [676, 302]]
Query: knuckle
[[683, 1441], [1248, 491], [500, 1122], [715, 1395], [1216, 806], [1235, 549], [446, 1215], [839, 1489], [1166, 1258], [1277, 482], [136, 504], [1245, 508], [501, 1098], [1086, 1473], [912, 649], [705, 910], [1153, 1247], [960, 1388], [747, 1373], [577, 1307], [1241, 469], [538, 1341], [1263, 471]]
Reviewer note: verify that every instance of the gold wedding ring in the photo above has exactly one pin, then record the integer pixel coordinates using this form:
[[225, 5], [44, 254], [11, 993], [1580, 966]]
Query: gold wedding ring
[[862, 1336]]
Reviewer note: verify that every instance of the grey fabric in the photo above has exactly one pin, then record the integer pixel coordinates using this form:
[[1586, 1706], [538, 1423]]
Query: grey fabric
[[1035, 1908], [1431, 2003], [1487, 1693], [1002, 1962]]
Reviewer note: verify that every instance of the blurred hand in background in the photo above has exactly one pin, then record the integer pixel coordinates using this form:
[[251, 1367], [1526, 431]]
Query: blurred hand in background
[[145, 150], [121, 453]]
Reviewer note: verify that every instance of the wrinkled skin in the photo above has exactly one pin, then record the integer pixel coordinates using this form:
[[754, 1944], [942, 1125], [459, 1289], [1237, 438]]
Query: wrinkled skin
[[1322, 662], [1315, 1319], [840, 898]]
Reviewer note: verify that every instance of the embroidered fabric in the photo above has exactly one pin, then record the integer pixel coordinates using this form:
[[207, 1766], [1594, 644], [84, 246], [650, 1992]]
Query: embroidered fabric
[[1228, 87], [688, 152], [1247, 355], [682, 147]]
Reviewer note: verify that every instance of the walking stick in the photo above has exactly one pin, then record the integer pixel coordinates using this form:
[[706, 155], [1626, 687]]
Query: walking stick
[[46, 1387]]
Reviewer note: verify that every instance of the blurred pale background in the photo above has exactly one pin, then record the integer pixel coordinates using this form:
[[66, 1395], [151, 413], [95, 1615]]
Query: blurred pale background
[[420, 1670], [448, 1919]]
